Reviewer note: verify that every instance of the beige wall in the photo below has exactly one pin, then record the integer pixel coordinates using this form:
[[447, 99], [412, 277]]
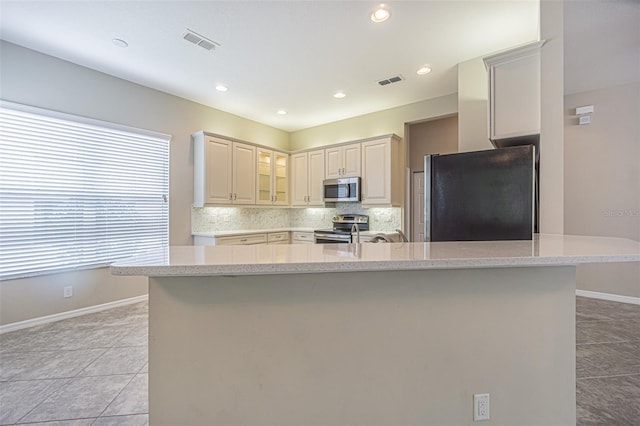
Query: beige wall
[[35, 297], [39, 80], [551, 118], [473, 94], [432, 137], [374, 124], [602, 180]]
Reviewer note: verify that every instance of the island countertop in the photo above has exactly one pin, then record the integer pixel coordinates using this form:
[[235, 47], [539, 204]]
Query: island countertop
[[543, 250]]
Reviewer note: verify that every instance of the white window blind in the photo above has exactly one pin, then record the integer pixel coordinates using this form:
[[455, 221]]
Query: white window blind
[[77, 193]]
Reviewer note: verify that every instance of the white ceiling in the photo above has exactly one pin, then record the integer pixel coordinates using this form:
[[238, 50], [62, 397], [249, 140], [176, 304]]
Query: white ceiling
[[290, 55]]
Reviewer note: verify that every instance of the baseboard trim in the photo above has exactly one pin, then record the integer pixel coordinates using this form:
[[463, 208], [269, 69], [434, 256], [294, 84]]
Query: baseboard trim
[[70, 314], [608, 296]]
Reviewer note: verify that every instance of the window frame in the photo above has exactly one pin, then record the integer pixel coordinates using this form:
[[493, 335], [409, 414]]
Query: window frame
[[93, 201]]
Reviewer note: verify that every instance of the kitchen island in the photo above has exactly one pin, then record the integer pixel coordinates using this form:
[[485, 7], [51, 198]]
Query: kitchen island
[[367, 334]]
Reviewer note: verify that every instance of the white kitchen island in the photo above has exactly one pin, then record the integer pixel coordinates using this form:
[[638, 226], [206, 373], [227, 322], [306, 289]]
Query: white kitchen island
[[369, 334]]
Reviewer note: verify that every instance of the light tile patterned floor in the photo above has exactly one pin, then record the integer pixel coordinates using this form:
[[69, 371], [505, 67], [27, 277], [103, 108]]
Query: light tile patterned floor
[[88, 370], [607, 363], [92, 370]]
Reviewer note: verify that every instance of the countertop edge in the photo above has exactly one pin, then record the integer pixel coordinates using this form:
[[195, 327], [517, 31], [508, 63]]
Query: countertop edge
[[362, 266]]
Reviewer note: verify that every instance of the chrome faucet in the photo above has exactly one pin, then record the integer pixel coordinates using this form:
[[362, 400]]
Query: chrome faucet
[[357, 230]]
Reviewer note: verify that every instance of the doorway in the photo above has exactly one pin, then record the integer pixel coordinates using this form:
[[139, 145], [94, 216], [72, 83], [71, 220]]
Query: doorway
[[433, 136]]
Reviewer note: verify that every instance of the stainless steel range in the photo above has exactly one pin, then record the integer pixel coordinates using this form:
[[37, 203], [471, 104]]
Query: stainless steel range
[[342, 226]]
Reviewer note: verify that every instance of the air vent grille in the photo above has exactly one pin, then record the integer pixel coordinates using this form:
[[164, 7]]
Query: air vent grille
[[199, 40], [394, 79]]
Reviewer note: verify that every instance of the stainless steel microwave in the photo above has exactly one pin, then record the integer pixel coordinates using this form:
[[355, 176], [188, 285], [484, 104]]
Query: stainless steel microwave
[[342, 189]]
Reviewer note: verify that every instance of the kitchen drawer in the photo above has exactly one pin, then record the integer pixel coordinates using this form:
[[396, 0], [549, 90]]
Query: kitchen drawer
[[242, 239], [302, 237], [278, 237]]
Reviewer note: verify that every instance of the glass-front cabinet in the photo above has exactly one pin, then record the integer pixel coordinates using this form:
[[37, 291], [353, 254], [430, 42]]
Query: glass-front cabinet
[[271, 186]]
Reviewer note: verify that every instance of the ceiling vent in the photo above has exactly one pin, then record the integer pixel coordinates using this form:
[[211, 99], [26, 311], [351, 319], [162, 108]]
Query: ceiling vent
[[198, 40], [394, 79]]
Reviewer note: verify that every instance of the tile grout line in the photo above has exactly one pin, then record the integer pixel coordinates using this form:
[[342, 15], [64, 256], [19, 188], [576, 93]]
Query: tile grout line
[[608, 377], [48, 395], [608, 343], [125, 386], [114, 398], [68, 380]]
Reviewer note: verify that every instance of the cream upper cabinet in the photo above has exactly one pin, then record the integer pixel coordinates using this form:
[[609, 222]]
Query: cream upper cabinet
[[514, 92], [271, 183], [316, 176], [342, 161], [307, 174], [244, 171], [224, 171], [382, 172]]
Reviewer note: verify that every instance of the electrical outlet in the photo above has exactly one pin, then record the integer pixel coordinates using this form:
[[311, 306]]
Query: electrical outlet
[[68, 291], [481, 407]]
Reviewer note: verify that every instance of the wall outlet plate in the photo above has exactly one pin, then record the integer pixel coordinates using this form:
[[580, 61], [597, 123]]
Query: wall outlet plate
[[68, 291], [481, 409]]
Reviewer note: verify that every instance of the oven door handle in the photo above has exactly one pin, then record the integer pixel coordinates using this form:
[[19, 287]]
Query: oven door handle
[[331, 237]]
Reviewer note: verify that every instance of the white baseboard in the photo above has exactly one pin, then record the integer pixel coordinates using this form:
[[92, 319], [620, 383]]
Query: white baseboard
[[608, 296], [70, 314]]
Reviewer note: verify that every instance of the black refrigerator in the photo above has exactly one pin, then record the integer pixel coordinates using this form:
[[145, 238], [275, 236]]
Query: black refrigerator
[[481, 195]]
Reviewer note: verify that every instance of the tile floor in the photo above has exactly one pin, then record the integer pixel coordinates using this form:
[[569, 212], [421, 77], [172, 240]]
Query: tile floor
[[607, 362], [92, 370], [88, 370]]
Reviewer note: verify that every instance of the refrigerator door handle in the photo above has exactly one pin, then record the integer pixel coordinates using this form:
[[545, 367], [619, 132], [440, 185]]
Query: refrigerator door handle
[[427, 197]]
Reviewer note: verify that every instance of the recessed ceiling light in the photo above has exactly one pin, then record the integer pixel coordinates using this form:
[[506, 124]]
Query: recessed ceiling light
[[380, 14], [119, 42], [423, 70], [339, 95], [282, 112], [221, 88]]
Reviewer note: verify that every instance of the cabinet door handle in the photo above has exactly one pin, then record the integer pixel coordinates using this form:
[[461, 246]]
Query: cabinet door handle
[[235, 196], [231, 196]]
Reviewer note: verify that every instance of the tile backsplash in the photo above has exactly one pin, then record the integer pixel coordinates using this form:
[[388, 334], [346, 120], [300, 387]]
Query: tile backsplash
[[211, 219]]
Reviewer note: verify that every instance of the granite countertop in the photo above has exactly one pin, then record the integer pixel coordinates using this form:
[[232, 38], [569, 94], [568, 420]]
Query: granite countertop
[[544, 250]]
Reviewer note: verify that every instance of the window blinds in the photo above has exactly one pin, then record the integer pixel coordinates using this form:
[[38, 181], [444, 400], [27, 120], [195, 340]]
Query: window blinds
[[77, 193]]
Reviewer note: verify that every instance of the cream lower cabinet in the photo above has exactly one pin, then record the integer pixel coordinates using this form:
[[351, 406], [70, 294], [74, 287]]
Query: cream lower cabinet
[[307, 174], [231, 240], [382, 172], [224, 171], [342, 161], [278, 237], [272, 184], [281, 237], [302, 237]]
